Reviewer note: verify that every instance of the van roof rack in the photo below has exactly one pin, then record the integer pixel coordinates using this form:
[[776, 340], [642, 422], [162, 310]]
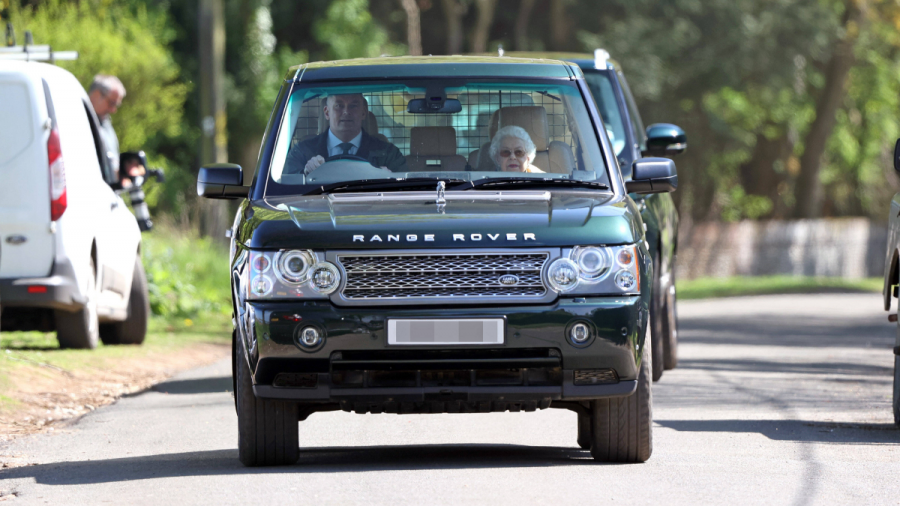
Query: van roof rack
[[29, 51]]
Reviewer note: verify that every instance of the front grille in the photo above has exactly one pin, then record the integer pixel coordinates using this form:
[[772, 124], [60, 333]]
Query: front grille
[[444, 277]]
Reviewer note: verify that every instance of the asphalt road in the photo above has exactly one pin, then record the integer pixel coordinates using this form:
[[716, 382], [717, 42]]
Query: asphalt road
[[777, 400]]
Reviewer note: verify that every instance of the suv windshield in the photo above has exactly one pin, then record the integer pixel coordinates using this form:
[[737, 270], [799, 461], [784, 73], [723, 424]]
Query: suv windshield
[[428, 129]]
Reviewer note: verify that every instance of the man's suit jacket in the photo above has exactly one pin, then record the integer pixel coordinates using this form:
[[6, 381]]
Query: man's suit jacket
[[376, 151]]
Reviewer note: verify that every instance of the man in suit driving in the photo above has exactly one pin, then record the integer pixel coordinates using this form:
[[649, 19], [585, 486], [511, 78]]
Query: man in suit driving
[[344, 136]]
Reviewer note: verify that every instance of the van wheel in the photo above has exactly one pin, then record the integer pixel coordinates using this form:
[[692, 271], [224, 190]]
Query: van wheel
[[670, 330], [267, 430], [80, 329], [622, 427], [133, 329], [657, 327]]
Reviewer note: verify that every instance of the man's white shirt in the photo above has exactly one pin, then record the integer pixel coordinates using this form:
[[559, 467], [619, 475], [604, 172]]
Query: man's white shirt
[[334, 148]]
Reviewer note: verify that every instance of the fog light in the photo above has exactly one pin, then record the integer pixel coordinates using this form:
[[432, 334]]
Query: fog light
[[310, 337], [626, 280], [579, 333]]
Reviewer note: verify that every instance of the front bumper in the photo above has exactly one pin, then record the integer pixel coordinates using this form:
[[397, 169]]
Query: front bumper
[[57, 291], [356, 368]]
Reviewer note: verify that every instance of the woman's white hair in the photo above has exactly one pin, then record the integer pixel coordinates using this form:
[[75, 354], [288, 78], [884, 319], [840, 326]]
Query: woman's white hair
[[518, 133]]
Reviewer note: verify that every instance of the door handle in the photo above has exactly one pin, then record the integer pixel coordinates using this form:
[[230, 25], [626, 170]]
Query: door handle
[[114, 205]]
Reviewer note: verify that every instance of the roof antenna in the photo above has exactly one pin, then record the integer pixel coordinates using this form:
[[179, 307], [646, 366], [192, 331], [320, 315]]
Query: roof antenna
[[500, 49], [10, 34]]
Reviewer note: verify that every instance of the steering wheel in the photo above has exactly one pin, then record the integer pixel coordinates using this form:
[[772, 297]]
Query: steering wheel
[[346, 157]]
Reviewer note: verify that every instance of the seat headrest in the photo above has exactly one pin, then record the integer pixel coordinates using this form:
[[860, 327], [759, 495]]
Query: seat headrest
[[370, 125], [533, 118], [432, 141]]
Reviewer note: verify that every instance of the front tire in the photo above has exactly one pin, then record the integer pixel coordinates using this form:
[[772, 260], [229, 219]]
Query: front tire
[[670, 329], [622, 427], [584, 431], [133, 329], [267, 430], [897, 390], [80, 329], [657, 316]]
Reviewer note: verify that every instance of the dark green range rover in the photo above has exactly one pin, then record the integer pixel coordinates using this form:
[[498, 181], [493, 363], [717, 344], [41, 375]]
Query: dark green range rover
[[440, 235]]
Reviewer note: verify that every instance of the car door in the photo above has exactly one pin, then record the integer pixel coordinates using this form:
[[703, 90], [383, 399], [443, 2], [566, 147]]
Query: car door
[[26, 235], [117, 233]]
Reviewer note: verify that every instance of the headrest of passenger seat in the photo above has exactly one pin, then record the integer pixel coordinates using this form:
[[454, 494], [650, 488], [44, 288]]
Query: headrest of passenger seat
[[432, 141], [533, 118]]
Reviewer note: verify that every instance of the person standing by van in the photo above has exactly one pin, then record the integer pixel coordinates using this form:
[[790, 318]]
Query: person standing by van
[[106, 94]]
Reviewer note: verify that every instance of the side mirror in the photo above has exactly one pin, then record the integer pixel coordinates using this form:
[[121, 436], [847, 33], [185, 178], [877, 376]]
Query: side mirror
[[897, 156], [222, 181], [652, 175], [664, 139]]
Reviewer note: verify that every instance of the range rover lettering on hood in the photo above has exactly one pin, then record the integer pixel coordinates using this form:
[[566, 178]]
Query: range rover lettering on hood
[[456, 237]]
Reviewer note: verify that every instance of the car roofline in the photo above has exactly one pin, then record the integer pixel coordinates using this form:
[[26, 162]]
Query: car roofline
[[434, 67]]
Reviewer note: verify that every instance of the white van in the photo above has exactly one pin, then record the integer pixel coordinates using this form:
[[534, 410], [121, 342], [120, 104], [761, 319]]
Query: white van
[[69, 247]]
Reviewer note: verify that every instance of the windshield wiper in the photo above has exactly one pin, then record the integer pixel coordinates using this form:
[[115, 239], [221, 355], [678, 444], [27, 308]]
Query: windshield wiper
[[371, 185], [518, 182]]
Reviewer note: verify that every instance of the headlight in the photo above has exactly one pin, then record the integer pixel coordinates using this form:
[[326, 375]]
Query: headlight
[[563, 275], [325, 278], [292, 266], [593, 262], [596, 270], [290, 274]]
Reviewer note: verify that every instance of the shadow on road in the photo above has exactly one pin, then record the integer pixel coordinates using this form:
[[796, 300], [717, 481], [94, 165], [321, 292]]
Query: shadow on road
[[195, 386], [779, 330], [314, 460], [796, 430], [756, 365]]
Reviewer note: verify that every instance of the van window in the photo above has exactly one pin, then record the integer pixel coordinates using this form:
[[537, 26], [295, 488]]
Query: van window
[[17, 132], [106, 169]]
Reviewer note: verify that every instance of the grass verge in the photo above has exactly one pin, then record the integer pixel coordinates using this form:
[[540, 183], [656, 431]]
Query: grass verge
[[42, 385], [705, 288]]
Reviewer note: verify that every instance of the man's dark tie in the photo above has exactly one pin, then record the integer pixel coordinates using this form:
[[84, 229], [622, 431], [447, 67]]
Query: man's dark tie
[[345, 147]]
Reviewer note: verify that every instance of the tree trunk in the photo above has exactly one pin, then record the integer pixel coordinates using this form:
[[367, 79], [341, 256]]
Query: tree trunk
[[525, 7], [559, 25], [809, 188], [213, 118], [758, 176], [483, 25], [454, 11], [413, 27]]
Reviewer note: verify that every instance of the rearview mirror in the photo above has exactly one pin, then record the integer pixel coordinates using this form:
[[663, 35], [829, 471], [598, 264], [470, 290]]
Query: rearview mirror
[[433, 105], [652, 175], [222, 181], [664, 139], [897, 156]]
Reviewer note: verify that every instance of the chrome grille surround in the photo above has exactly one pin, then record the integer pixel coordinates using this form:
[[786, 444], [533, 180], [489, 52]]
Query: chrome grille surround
[[459, 276]]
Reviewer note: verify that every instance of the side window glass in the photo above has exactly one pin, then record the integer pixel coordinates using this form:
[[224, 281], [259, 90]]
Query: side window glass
[[106, 168], [636, 122]]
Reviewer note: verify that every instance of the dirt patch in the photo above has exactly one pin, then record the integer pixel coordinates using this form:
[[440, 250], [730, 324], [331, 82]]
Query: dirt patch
[[46, 396]]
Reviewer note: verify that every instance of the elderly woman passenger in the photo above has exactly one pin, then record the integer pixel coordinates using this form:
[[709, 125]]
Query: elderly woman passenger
[[513, 151]]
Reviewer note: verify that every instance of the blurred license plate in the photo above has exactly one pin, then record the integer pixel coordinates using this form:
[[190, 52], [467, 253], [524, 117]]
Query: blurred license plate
[[446, 331]]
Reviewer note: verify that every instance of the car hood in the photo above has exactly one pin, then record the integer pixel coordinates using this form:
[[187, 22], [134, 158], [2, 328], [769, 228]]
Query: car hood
[[410, 221]]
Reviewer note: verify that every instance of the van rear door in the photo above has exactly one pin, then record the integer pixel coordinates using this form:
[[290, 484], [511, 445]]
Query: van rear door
[[26, 239]]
